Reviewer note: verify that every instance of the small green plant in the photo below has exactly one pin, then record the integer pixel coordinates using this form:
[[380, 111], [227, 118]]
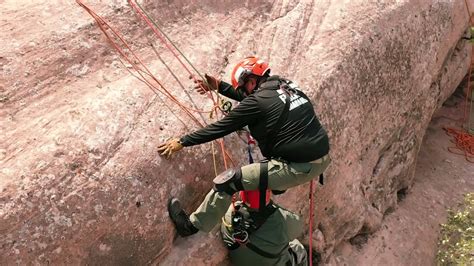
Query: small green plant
[[456, 245]]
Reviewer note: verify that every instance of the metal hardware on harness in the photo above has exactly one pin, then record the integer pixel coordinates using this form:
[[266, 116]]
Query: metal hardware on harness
[[240, 226], [243, 226], [226, 106], [242, 237]]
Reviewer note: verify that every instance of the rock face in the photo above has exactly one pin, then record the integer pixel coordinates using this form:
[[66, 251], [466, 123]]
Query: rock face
[[80, 180]]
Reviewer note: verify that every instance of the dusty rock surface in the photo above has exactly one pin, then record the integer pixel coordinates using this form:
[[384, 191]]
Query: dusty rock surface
[[409, 235], [80, 180]]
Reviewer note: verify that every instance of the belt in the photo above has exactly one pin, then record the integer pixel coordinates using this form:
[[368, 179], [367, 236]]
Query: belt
[[321, 160]]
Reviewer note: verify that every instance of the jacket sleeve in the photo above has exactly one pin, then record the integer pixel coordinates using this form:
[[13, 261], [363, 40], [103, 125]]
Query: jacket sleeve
[[245, 113], [227, 90]]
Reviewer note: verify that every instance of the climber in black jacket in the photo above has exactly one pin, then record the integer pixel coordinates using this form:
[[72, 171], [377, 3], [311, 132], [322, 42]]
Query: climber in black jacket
[[301, 137], [282, 120]]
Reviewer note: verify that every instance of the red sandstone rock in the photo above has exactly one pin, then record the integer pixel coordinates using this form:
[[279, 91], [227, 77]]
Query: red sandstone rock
[[80, 180]]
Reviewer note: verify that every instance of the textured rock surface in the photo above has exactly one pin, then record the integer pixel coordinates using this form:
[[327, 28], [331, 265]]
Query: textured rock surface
[[409, 235], [80, 180]]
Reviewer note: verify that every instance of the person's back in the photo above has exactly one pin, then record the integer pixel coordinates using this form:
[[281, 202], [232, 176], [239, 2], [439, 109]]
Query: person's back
[[300, 136]]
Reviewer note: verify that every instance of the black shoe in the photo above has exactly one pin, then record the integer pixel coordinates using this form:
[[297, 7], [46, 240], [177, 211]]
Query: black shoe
[[180, 218]]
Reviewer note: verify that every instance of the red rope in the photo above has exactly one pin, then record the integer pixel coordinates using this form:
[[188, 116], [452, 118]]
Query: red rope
[[139, 67], [464, 143], [311, 210], [142, 71], [468, 91], [463, 140], [145, 18], [141, 13]]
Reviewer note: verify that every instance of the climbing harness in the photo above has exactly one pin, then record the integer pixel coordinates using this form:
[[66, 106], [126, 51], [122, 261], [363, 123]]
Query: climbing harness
[[258, 199], [244, 222]]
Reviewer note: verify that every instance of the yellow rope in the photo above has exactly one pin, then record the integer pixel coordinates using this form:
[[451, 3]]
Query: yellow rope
[[214, 158], [225, 223]]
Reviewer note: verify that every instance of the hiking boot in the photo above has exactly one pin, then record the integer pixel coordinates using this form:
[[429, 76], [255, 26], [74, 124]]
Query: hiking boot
[[180, 218]]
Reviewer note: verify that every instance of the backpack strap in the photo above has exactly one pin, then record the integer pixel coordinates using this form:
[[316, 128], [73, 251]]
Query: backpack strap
[[263, 185], [271, 135]]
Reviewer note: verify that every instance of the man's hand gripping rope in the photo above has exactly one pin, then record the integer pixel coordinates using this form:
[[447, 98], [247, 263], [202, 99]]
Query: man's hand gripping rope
[[211, 84]]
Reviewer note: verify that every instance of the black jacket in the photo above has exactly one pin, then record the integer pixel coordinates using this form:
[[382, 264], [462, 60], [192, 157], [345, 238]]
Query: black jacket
[[300, 139]]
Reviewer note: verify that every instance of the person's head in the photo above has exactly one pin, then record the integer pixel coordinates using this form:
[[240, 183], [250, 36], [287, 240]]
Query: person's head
[[248, 74]]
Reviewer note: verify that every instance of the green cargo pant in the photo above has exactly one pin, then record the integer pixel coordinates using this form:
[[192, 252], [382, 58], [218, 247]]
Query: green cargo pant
[[281, 176], [273, 236]]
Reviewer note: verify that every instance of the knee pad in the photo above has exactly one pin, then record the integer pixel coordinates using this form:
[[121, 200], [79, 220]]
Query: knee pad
[[222, 182]]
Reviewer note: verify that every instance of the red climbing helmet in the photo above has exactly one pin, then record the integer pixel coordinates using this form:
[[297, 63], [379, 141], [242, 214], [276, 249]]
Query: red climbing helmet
[[248, 66]]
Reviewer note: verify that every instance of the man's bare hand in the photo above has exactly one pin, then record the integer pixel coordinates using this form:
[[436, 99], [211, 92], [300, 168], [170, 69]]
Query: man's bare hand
[[211, 84], [169, 147]]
